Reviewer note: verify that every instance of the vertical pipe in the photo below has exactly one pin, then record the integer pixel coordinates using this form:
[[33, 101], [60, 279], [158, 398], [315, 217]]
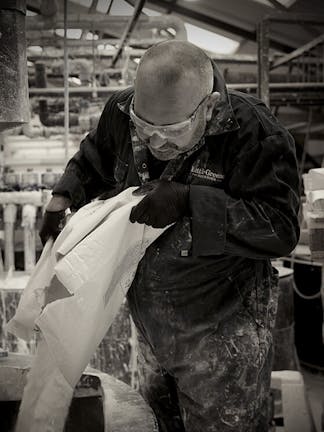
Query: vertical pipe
[[14, 104], [290, 71], [263, 61], [28, 223], [2, 161], [322, 298], [300, 70], [109, 7], [66, 86], [94, 81], [306, 140], [40, 75], [319, 63], [9, 217], [1, 263], [304, 67], [322, 63], [128, 30], [133, 356]]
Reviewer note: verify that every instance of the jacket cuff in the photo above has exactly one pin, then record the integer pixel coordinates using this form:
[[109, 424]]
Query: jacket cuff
[[208, 210], [72, 188]]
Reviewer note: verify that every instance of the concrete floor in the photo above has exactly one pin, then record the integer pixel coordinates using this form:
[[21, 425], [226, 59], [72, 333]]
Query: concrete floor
[[314, 386]]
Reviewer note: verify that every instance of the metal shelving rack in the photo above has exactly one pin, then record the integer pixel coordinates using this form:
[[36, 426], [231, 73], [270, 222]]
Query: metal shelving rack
[[304, 66]]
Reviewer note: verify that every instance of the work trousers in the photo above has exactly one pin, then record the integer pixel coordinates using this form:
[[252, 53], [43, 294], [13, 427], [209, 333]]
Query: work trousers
[[222, 387], [213, 379]]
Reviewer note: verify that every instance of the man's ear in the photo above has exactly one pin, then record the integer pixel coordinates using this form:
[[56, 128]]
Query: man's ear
[[212, 100]]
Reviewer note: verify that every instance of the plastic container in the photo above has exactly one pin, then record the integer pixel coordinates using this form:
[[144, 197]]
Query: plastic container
[[316, 235]]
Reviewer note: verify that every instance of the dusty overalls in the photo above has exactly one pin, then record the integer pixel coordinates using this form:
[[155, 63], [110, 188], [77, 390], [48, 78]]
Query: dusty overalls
[[204, 330], [205, 343]]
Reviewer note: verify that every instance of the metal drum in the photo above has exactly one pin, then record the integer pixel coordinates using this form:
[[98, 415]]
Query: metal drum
[[283, 334], [309, 314], [100, 402]]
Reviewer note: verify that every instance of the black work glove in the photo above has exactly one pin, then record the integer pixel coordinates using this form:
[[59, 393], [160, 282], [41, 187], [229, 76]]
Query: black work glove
[[165, 202], [52, 225]]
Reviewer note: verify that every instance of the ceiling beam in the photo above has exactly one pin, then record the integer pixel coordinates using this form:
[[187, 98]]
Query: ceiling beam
[[217, 23], [128, 30], [56, 41], [33, 5], [278, 5], [92, 9], [110, 6], [298, 52], [172, 3], [131, 2], [296, 18], [114, 24], [81, 52]]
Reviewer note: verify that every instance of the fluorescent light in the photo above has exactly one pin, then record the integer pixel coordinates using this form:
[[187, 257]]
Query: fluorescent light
[[70, 33], [286, 3], [121, 7], [210, 41], [75, 80], [102, 6], [265, 3], [35, 48], [85, 3], [150, 12]]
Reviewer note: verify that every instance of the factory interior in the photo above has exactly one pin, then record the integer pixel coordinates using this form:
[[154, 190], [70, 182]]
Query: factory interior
[[60, 61]]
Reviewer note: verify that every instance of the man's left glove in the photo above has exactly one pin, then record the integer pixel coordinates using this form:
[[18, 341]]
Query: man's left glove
[[165, 202], [52, 225]]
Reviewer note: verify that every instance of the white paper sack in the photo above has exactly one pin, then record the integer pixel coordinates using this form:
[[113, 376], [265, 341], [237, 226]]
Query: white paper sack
[[95, 258], [47, 396], [32, 300]]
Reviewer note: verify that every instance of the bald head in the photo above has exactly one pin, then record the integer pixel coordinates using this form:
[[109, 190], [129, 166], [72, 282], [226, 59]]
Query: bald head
[[175, 71]]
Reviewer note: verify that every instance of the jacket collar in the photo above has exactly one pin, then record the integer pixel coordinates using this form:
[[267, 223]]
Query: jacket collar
[[124, 106], [223, 118]]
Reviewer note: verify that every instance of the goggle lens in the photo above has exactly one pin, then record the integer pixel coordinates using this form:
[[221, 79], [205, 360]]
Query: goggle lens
[[146, 130]]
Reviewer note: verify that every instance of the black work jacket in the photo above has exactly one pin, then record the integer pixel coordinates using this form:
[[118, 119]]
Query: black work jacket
[[244, 192]]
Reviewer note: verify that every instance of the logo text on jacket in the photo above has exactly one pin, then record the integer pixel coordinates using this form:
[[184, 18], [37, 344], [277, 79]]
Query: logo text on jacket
[[207, 174]]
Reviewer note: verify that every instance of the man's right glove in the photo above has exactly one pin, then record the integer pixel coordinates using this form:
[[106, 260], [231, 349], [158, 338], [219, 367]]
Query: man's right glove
[[165, 202], [52, 225]]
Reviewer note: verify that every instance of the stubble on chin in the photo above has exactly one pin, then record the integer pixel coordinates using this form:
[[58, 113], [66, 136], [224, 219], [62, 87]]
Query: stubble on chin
[[164, 156]]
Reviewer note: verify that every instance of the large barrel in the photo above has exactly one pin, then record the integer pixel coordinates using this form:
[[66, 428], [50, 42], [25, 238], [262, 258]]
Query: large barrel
[[101, 403], [309, 314]]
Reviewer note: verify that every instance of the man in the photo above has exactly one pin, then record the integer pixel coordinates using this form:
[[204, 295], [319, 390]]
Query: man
[[223, 170]]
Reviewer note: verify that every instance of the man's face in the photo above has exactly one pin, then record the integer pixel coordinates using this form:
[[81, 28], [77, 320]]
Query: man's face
[[171, 124]]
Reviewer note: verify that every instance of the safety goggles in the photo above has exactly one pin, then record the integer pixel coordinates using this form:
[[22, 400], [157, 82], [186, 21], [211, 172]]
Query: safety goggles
[[174, 130]]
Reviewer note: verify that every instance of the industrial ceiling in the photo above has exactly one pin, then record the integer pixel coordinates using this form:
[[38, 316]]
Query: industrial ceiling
[[288, 35], [236, 19]]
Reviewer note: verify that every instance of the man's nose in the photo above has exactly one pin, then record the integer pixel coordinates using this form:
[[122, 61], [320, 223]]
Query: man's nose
[[157, 140]]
